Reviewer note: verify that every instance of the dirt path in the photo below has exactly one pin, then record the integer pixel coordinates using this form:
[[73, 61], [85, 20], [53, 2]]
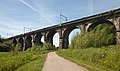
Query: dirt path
[[57, 63]]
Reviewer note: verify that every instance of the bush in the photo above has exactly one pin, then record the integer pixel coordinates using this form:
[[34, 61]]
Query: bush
[[1, 40], [18, 48], [102, 35], [47, 46], [35, 48], [4, 48]]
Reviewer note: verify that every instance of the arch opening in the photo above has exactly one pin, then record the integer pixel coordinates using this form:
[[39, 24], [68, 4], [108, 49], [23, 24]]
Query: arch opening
[[28, 42], [102, 21], [14, 42], [42, 39], [56, 40], [69, 33], [37, 39], [21, 42], [50, 36], [73, 33], [53, 38]]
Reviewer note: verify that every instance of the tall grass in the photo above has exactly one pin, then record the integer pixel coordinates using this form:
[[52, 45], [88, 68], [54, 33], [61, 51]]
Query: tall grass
[[95, 59], [10, 61], [35, 65]]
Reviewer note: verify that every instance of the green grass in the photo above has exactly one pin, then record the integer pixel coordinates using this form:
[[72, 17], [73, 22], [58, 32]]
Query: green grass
[[22, 61], [95, 59], [35, 65]]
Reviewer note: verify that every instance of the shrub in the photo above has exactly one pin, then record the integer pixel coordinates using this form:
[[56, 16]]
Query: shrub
[[1, 40], [35, 48], [47, 46], [102, 35], [17, 48], [7, 45], [4, 48]]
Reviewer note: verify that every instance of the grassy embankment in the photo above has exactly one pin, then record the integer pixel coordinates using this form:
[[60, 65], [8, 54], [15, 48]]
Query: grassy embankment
[[95, 59], [22, 61], [12, 58]]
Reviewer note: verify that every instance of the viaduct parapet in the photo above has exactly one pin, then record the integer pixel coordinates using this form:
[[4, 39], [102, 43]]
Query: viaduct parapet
[[27, 40]]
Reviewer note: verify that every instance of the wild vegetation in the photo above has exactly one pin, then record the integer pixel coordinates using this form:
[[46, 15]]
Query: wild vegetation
[[18, 60], [95, 59], [11, 61], [35, 65], [95, 49], [5, 46], [45, 46], [102, 35]]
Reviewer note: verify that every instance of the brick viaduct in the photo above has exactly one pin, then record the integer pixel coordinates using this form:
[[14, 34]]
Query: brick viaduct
[[27, 40]]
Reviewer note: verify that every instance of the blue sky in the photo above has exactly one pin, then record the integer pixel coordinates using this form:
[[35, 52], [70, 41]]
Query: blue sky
[[37, 14]]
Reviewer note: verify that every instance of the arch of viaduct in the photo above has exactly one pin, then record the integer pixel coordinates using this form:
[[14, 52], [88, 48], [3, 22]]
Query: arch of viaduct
[[27, 40]]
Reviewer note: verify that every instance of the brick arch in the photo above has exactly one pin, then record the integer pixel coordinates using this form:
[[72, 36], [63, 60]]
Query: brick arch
[[28, 42], [101, 21], [21, 42], [37, 38], [50, 35], [66, 35], [14, 41]]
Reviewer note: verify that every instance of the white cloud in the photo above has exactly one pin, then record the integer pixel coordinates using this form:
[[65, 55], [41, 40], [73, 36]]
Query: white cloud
[[41, 12], [30, 6]]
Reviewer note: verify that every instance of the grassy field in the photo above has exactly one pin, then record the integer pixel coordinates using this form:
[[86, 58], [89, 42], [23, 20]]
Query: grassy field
[[22, 61], [95, 59]]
